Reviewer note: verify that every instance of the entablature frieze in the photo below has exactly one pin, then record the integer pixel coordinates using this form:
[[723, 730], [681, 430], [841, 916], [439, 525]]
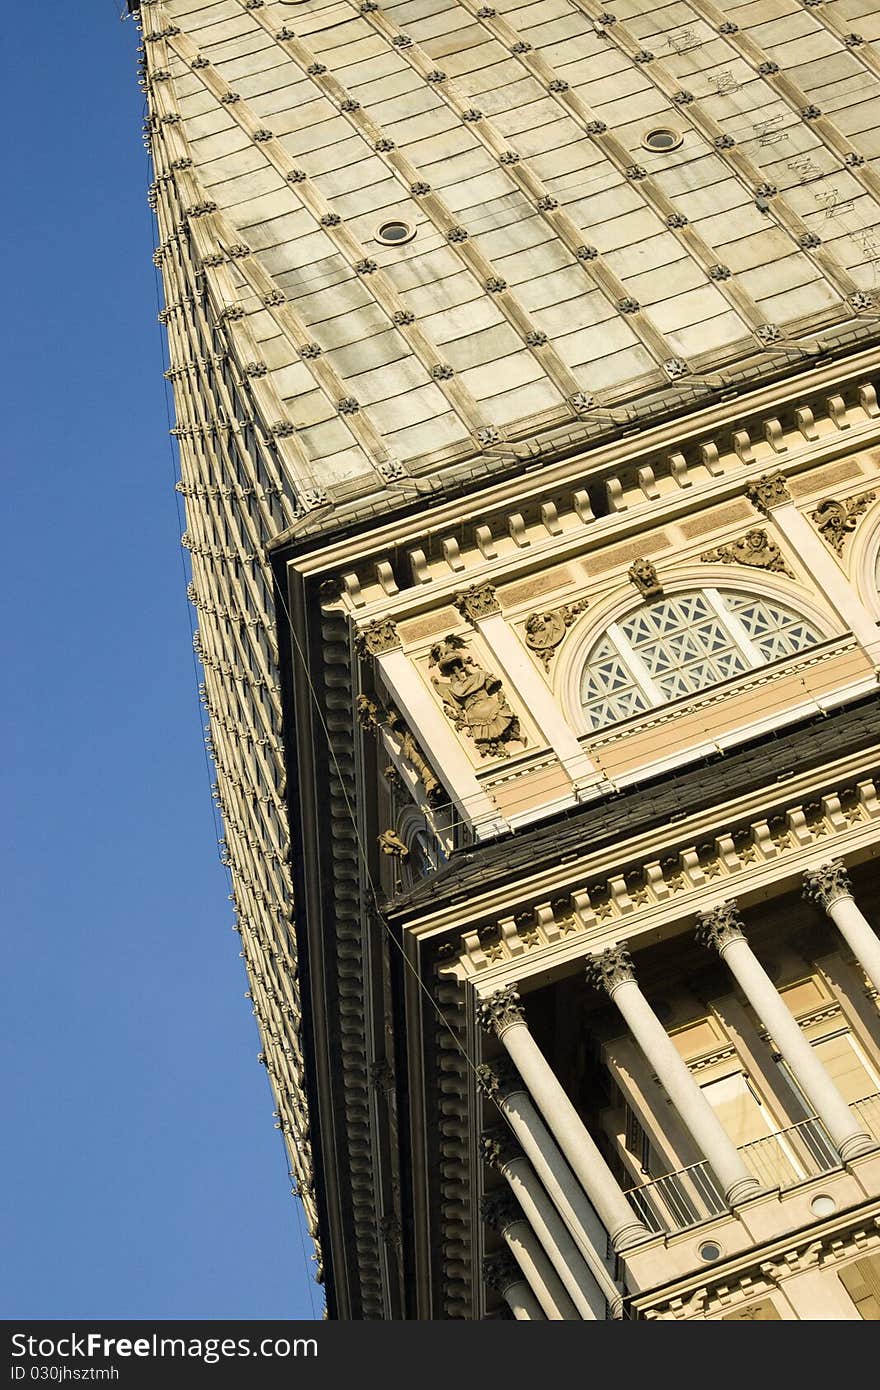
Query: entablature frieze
[[513, 527], [655, 893], [762, 1269]]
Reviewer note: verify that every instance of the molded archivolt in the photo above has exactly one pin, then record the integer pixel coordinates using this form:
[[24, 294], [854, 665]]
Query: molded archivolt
[[683, 644], [788, 600]]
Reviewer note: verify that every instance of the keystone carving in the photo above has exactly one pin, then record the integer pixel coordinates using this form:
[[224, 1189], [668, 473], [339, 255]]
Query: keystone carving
[[827, 883], [755, 548], [378, 637], [473, 699], [643, 573], [391, 844], [500, 1010], [544, 631], [611, 969], [768, 492], [835, 520], [720, 926], [477, 602]]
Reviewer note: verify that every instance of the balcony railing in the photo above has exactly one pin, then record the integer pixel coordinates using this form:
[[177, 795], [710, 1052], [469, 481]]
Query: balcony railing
[[791, 1156], [677, 1201]]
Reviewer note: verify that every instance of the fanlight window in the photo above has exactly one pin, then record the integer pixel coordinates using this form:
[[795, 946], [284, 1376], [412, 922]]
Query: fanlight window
[[679, 646]]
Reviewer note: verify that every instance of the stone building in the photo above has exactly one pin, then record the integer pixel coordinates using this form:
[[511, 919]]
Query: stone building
[[524, 359]]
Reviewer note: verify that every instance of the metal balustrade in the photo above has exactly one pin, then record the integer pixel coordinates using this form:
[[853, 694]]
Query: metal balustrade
[[678, 1201], [791, 1156]]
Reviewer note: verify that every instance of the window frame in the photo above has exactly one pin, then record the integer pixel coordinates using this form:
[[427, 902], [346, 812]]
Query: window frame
[[608, 617]]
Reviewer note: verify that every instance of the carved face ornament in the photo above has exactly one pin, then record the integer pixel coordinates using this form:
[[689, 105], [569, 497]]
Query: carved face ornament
[[544, 630]]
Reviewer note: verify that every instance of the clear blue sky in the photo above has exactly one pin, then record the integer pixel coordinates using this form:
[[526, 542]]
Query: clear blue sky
[[141, 1172]]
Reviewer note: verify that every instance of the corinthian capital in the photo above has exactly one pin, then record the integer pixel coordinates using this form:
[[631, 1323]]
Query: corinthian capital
[[827, 883], [477, 602], [720, 926], [500, 1010], [768, 492], [500, 1209], [499, 1080], [377, 637], [501, 1271], [611, 969], [498, 1148]]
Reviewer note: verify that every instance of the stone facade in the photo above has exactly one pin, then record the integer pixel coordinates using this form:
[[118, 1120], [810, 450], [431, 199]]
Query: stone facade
[[525, 363]]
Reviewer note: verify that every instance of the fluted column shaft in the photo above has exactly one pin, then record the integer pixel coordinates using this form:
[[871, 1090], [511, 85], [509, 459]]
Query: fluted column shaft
[[503, 1012], [559, 1182], [540, 1275], [722, 928], [545, 1221], [830, 887], [613, 972]]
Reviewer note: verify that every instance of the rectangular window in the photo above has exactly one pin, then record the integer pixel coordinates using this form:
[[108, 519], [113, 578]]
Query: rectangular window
[[847, 1065]]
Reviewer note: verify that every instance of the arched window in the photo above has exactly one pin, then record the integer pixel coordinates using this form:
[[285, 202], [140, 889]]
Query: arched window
[[681, 645]]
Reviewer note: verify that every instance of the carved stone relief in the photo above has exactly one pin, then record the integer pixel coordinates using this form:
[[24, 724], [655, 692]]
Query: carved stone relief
[[473, 699], [836, 520], [372, 716], [755, 548], [544, 631], [391, 844]]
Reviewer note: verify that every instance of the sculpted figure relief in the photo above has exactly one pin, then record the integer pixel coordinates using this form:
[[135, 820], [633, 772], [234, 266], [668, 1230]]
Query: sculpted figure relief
[[473, 698], [755, 548], [643, 573], [544, 631]]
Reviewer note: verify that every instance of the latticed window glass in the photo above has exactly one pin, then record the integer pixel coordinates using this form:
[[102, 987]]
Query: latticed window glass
[[679, 646], [775, 630]]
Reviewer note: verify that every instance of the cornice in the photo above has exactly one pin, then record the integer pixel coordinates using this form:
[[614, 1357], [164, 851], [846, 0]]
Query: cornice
[[745, 815], [721, 440], [762, 1269]]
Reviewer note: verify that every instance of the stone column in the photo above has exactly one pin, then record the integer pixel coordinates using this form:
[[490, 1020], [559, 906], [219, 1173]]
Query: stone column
[[501, 1151], [613, 972], [722, 928], [502, 1213], [503, 1084], [502, 1012], [501, 1272], [829, 886]]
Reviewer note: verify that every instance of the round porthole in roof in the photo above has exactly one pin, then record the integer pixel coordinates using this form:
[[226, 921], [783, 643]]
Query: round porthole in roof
[[395, 232], [661, 139], [710, 1251]]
